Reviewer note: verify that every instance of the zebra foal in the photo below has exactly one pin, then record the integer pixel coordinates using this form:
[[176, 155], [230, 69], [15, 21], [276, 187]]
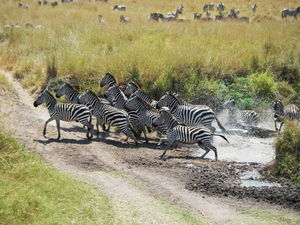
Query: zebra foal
[[107, 114], [68, 90], [65, 112], [248, 117], [187, 135], [290, 12], [282, 112]]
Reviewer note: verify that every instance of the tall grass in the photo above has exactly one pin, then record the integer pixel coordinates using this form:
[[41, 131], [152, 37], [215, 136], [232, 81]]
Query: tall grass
[[159, 56]]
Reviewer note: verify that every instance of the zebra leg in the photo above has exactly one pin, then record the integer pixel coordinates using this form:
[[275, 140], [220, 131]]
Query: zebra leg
[[168, 146], [45, 126], [207, 147], [161, 141], [128, 134], [144, 131], [58, 127], [281, 124], [276, 125]]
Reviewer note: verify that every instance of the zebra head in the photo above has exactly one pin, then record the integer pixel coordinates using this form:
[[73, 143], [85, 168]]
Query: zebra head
[[63, 89], [44, 97], [109, 79], [278, 107], [229, 104], [131, 88]]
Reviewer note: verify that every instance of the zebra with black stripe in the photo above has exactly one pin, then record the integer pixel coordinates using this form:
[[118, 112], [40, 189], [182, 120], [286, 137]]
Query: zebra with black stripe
[[190, 115], [290, 12], [107, 114], [65, 112], [108, 79], [248, 117], [282, 112], [146, 113], [133, 88], [187, 135], [116, 97], [68, 90]]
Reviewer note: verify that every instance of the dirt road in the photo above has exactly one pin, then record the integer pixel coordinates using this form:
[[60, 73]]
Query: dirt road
[[135, 177]]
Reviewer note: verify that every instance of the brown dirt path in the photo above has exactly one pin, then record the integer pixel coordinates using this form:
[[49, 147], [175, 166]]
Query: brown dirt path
[[134, 177]]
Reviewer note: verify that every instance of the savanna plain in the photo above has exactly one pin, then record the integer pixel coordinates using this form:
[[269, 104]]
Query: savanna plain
[[109, 181]]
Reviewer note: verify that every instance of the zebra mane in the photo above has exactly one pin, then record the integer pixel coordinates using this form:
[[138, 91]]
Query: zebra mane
[[134, 84], [145, 104], [170, 114], [109, 74], [172, 95], [67, 83]]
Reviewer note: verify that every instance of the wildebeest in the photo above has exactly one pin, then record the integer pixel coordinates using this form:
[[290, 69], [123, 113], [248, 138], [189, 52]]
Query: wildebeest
[[120, 7]]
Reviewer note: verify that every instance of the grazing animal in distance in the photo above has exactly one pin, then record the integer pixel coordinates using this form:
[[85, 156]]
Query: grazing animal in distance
[[65, 112], [205, 7], [28, 25], [248, 117], [45, 2], [211, 6], [154, 17], [208, 13], [8, 26], [53, 3], [23, 6], [101, 1], [197, 17], [220, 6], [254, 8], [244, 19], [39, 2], [290, 12], [100, 19], [282, 112], [187, 135], [120, 7], [125, 19]]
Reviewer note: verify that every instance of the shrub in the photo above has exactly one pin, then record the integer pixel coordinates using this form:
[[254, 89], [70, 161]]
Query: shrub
[[287, 148]]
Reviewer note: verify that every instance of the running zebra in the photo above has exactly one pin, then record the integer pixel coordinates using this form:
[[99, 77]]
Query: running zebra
[[133, 88], [146, 113], [108, 79], [248, 117], [116, 97], [190, 115], [187, 135], [107, 114], [282, 112], [290, 12], [65, 112], [68, 90]]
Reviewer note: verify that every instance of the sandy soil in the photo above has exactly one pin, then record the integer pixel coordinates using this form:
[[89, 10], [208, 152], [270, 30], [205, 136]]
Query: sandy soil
[[135, 176]]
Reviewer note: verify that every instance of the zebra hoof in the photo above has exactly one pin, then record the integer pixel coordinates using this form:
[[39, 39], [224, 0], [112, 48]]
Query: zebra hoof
[[161, 155]]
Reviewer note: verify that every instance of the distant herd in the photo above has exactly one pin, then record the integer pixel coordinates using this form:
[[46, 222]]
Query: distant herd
[[171, 16]]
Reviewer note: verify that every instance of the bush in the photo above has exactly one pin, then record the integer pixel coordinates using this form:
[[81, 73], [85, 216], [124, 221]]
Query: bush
[[287, 148]]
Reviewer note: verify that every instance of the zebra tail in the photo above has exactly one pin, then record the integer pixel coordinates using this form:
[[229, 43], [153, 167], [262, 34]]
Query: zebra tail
[[90, 118], [221, 127], [222, 136]]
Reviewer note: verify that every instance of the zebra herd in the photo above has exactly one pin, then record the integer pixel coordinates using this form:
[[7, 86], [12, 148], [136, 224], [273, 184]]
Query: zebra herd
[[133, 112]]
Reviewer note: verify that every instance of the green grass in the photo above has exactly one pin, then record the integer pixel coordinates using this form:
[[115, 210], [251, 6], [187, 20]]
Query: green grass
[[34, 193]]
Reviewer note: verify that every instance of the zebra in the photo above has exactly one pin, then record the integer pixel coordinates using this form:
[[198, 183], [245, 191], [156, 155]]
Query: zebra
[[68, 90], [248, 117], [120, 7], [116, 96], [254, 8], [188, 114], [45, 2], [146, 113], [290, 12], [125, 19], [107, 114], [187, 135], [100, 19], [133, 88], [154, 17], [282, 112], [244, 18], [211, 6], [208, 13], [168, 17], [65, 112], [108, 79]]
